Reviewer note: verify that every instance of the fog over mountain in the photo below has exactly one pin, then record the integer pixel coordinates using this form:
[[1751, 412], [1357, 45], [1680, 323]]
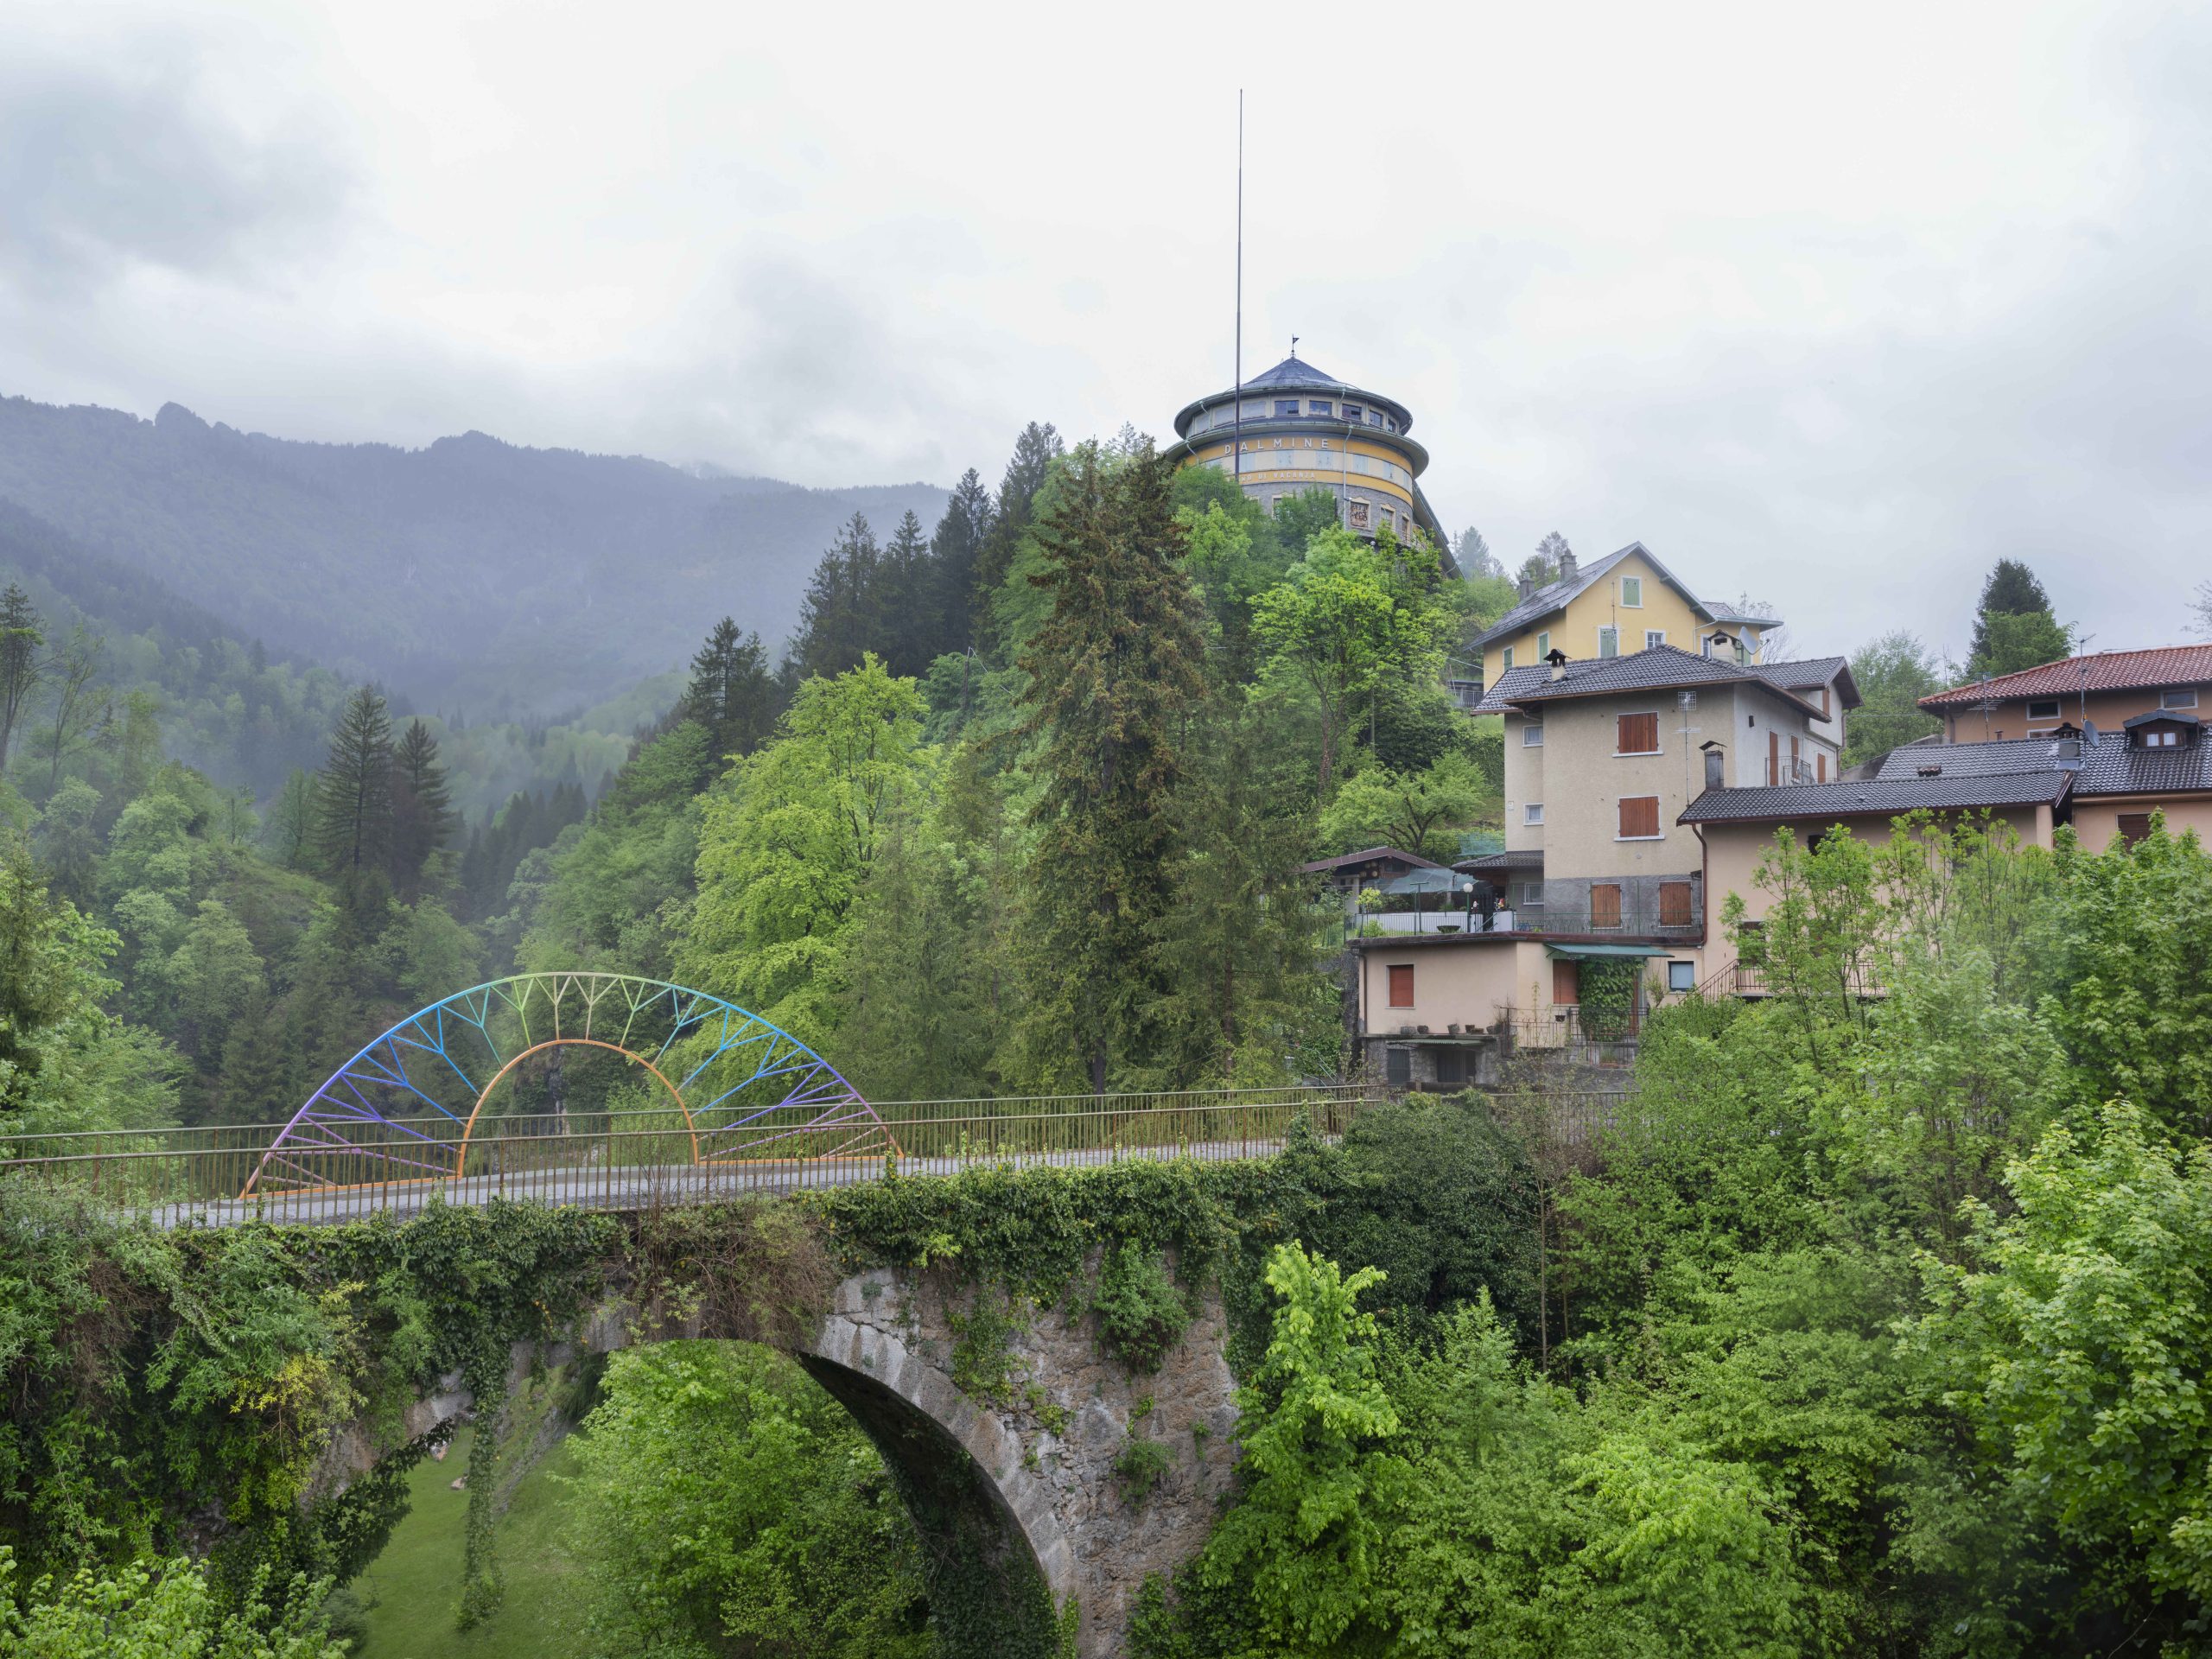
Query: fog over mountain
[[471, 574]]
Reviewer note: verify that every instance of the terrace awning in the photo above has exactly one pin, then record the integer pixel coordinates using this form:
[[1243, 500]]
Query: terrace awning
[[1582, 952]]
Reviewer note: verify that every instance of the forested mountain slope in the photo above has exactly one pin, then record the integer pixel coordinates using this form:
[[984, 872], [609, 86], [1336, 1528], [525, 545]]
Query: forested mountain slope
[[497, 580]]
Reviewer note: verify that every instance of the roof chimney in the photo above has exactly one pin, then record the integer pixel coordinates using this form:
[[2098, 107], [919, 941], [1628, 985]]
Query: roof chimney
[[1567, 565], [1557, 659], [1527, 587]]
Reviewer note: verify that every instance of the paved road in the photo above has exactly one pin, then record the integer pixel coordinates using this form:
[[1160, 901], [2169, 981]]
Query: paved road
[[626, 1189]]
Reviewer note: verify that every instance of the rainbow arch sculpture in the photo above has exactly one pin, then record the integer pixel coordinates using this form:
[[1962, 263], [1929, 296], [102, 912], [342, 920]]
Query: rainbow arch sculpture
[[410, 1105]]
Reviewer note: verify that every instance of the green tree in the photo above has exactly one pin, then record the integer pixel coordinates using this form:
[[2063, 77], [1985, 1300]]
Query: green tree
[[1416, 811], [1477, 562], [82, 708], [215, 973], [725, 1504], [1892, 674], [955, 548], [842, 616], [289, 830], [732, 696], [2014, 628], [1347, 617], [790, 838], [21, 633], [422, 808], [353, 808], [1308, 1539], [154, 1609], [910, 630], [2072, 1342], [1035, 452], [1111, 672]]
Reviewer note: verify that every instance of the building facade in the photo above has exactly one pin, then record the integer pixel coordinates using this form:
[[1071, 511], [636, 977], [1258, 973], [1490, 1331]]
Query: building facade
[[1302, 429], [2104, 691], [1616, 606]]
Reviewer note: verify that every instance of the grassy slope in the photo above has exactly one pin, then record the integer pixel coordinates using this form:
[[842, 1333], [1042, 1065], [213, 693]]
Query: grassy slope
[[416, 1581]]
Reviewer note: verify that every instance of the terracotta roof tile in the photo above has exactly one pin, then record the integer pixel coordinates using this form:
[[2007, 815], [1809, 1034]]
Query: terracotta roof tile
[[2106, 670]]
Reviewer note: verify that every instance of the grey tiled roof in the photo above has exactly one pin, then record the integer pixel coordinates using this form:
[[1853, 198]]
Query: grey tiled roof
[[1293, 372], [2018, 755], [1812, 671], [1660, 668], [2117, 767], [1831, 801]]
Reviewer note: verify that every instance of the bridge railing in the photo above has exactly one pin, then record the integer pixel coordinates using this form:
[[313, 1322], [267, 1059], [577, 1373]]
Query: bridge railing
[[627, 1160]]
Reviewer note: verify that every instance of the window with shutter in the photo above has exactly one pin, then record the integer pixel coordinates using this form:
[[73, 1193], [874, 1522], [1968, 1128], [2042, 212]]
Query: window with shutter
[[1637, 734], [1567, 982], [1773, 759], [1604, 905], [1675, 905], [1821, 764], [1639, 816], [2133, 826], [1401, 986]]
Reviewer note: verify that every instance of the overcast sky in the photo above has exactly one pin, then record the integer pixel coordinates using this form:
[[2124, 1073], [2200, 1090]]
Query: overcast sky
[[1830, 308]]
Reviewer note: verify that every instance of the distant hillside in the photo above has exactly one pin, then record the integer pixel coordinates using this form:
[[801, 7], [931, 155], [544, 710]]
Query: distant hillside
[[247, 716], [476, 575]]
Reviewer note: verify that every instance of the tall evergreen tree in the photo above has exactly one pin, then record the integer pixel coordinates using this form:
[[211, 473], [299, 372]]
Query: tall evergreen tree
[[955, 547], [732, 694], [839, 618], [1035, 451], [353, 793], [422, 807], [20, 636], [1474, 556], [1111, 673], [2014, 628], [908, 629]]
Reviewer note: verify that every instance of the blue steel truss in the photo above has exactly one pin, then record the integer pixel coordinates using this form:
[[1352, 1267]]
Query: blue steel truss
[[408, 1106]]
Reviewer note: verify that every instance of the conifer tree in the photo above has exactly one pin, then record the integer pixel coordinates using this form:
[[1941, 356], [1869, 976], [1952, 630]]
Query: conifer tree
[[907, 627], [1035, 451], [20, 636], [955, 547], [839, 617], [353, 808], [422, 806], [1111, 672], [2014, 628], [732, 695]]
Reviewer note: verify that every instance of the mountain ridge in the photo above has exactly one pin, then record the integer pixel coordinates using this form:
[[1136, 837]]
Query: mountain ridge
[[473, 569]]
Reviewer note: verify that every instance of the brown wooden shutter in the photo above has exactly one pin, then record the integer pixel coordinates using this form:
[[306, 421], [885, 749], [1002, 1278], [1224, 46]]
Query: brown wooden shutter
[[1567, 982], [1675, 904], [1605, 904], [1773, 759], [1401, 986], [1821, 764], [1639, 815], [2133, 826], [1637, 734]]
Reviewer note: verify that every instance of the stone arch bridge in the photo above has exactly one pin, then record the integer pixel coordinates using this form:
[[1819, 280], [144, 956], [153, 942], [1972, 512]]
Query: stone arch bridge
[[645, 1095]]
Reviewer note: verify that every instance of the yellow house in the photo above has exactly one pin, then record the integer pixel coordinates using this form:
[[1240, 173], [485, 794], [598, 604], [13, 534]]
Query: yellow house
[[1625, 602]]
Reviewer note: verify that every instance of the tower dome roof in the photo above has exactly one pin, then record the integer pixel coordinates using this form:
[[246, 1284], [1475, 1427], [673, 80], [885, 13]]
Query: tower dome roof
[[1293, 371]]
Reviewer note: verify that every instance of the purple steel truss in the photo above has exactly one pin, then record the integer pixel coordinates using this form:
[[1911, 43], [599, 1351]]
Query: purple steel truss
[[406, 1106]]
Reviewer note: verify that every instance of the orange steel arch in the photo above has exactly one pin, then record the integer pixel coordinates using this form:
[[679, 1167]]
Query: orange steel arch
[[460, 1156]]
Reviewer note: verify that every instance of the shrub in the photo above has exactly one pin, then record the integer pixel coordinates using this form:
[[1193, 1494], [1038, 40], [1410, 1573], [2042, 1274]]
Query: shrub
[[1140, 1313]]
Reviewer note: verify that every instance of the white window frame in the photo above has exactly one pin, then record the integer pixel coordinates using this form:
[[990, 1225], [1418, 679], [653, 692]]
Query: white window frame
[[2184, 698], [1682, 976], [1532, 814], [1653, 636], [1532, 735], [1616, 634], [1635, 604]]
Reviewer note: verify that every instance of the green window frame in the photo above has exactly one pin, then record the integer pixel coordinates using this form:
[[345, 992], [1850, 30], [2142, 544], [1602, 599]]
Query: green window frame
[[1632, 592]]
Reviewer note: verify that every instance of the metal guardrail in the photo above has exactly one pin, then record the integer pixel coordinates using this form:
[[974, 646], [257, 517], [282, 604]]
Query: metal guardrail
[[630, 1160]]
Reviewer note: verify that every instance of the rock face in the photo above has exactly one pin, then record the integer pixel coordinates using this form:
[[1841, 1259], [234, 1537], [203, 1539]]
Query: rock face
[[1018, 1487], [1047, 1444]]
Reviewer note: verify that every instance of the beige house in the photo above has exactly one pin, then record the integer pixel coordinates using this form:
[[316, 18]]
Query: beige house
[[1602, 757], [2103, 690]]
